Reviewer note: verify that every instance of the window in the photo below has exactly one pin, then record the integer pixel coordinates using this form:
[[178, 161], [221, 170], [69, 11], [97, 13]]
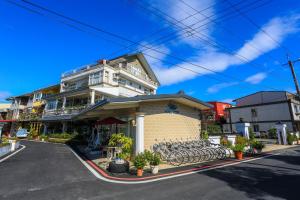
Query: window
[[38, 96], [256, 128], [106, 76], [95, 78], [122, 82], [253, 112], [51, 105], [296, 108]]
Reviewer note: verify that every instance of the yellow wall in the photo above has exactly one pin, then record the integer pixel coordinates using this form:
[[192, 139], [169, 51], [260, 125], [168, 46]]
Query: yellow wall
[[161, 125]]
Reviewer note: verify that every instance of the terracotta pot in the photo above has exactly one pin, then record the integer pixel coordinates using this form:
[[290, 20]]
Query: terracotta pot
[[139, 172], [238, 155]]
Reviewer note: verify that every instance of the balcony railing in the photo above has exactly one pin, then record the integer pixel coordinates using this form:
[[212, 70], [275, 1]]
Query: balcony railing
[[30, 116], [65, 111]]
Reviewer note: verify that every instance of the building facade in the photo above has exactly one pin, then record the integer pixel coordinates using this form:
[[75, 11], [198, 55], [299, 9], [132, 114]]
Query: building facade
[[219, 109], [266, 108]]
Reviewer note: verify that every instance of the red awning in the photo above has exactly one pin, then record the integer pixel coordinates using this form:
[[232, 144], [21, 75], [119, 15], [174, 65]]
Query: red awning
[[109, 120]]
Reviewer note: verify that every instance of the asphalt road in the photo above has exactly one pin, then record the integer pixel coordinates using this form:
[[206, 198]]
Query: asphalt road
[[50, 171]]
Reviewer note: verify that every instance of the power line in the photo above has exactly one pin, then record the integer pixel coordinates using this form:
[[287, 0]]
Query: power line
[[170, 36], [257, 26], [228, 30], [126, 39], [242, 58]]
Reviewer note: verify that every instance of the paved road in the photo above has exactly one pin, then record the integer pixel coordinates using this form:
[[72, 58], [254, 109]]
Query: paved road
[[50, 171]]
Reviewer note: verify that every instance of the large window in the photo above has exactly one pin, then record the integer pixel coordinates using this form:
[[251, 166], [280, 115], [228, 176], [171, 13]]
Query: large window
[[95, 78]]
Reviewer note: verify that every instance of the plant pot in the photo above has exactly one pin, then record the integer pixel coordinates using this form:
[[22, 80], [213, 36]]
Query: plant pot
[[258, 151], [238, 155], [154, 169], [139, 172]]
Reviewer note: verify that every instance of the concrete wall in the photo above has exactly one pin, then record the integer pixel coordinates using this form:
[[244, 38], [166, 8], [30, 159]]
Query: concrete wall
[[271, 112], [161, 125]]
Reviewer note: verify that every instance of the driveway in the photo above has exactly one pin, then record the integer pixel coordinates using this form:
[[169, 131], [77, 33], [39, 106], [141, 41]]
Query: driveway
[[51, 171]]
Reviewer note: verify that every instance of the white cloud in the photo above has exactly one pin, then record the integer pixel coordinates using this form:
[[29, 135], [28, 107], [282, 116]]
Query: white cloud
[[4, 95], [278, 28], [256, 78], [216, 88], [218, 61]]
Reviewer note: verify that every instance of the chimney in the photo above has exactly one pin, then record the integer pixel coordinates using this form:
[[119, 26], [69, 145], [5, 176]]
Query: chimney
[[102, 61]]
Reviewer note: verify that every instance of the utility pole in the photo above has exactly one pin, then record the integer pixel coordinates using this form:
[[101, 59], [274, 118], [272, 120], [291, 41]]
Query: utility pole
[[291, 64]]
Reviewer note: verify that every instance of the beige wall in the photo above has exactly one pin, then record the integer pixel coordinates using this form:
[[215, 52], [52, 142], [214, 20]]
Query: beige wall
[[161, 125]]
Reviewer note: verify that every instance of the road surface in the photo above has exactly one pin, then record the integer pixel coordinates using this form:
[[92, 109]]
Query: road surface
[[51, 171]]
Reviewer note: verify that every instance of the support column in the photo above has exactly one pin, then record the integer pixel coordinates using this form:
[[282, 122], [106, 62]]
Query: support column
[[281, 133], [64, 102], [243, 128], [1, 126], [139, 138], [45, 129], [92, 97], [64, 127]]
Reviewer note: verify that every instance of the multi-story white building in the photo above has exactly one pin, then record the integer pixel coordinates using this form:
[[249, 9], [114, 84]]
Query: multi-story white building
[[124, 76], [266, 108]]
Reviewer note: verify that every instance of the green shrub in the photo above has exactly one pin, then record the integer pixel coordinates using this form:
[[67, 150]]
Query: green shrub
[[204, 135], [58, 140], [257, 145], [45, 137], [139, 161], [33, 133], [225, 142], [122, 141], [214, 129], [238, 147], [62, 135], [148, 155], [272, 133], [251, 134], [290, 138], [155, 160], [241, 140]]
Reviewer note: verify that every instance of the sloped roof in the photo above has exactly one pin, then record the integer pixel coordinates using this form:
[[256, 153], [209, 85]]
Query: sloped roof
[[144, 63], [144, 98]]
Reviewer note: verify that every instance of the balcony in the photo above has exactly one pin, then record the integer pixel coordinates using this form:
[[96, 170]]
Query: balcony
[[30, 116], [65, 111]]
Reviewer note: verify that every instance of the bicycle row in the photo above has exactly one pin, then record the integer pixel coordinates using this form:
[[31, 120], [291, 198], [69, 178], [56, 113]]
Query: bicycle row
[[183, 152]]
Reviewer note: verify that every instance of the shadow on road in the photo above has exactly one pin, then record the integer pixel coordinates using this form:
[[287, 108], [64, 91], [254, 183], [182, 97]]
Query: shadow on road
[[268, 178]]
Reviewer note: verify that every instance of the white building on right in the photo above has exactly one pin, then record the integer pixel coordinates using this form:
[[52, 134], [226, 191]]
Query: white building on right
[[264, 109]]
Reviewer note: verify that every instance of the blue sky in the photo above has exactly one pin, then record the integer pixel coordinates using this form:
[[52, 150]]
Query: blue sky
[[245, 42]]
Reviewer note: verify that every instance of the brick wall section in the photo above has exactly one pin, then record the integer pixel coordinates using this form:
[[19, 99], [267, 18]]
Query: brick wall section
[[159, 125]]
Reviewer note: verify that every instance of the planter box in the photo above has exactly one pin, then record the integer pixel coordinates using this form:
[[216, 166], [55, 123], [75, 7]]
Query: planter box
[[214, 139], [231, 138], [5, 150], [14, 144]]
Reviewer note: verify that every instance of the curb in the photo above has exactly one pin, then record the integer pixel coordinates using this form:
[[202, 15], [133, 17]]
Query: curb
[[102, 175], [12, 154]]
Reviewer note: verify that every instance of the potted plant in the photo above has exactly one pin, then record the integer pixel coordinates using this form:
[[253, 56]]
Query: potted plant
[[257, 146], [238, 151], [154, 163], [139, 162]]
